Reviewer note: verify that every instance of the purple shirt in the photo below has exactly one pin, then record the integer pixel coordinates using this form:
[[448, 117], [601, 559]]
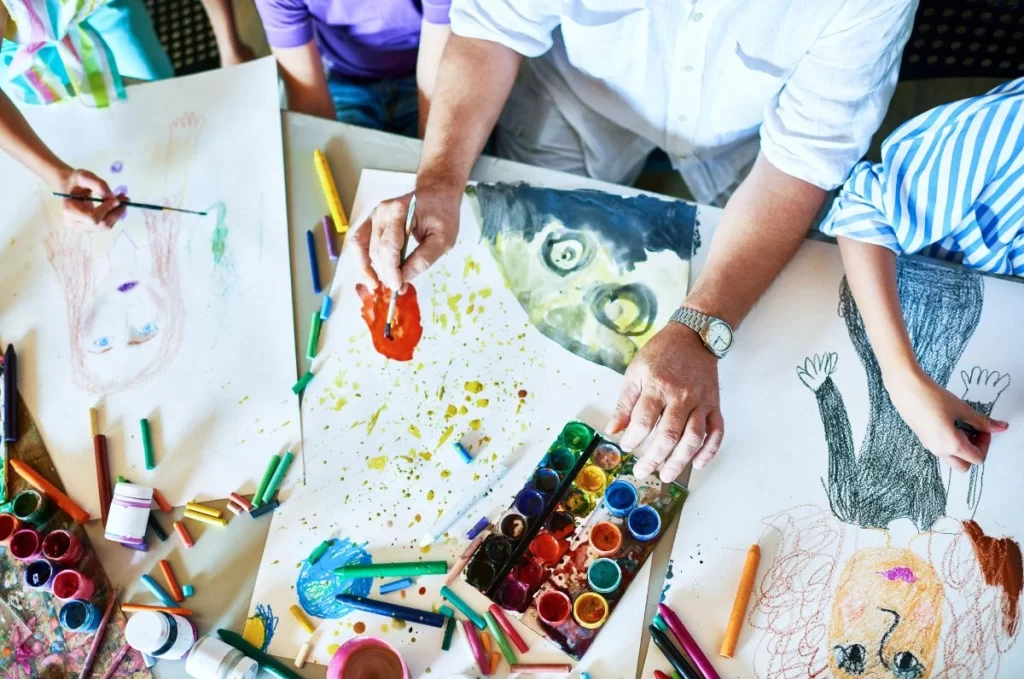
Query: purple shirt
[[357, 38]]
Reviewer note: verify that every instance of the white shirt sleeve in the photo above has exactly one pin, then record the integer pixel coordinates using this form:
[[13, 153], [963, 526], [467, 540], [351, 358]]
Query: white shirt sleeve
[[521, 25], [822, 121]]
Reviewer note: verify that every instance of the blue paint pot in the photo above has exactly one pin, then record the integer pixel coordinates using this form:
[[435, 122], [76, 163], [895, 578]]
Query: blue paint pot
[[620, 497], [79, 616], [39, 574], [644, 523], [546, 480], [530, 502], [604, 576]]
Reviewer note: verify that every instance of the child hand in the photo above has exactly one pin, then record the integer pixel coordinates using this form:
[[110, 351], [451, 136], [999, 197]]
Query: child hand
[[931, 412], [84, 214]]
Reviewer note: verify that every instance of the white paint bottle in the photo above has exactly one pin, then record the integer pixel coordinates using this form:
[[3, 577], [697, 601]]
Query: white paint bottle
[[129, 514], [161, 635], [211, 658]]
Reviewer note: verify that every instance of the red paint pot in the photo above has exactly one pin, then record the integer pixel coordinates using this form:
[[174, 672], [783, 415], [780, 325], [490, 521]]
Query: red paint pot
[[9, 524], [546, 548], [26, 544], [606, 538], [63, 547], [531, 573], [513, 595], [554, 607], [70, 585], [561, 524]]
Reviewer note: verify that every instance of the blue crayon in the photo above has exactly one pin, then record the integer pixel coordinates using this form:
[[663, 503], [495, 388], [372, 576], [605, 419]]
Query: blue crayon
[[264, 509], [390, 610], [325, 308], [158, 591], [314, 269], [188, 590], [463, 453], [389, 587], [478, 528]]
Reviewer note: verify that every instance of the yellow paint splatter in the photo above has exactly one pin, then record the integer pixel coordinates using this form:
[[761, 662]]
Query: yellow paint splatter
[[377, 463], [445, 473], [244, 399], [483, 402], [447, 432], [419, 366], [414, 430], [471, 266], [418, 518], [453, 302], [373, 419], [426, 456], [463, 410], [485, 293], [332, 649], [339, 404], [443, 320], [474, 425], [474, 387], [470, 308], [430, 495], [450, 412], [425, 549]]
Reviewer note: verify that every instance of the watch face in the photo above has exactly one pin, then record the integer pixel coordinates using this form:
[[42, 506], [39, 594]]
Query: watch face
[[719, 336]]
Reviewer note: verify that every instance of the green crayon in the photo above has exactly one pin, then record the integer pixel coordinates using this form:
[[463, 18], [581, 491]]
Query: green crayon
[[392, 570], [499, 636], [267, 475], [463, 607], [147, 444], [320, 550], [449, 630], [275, 480], [303, 382], [314, 336]]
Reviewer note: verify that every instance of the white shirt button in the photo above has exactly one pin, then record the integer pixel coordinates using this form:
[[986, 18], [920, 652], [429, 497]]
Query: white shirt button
[[697, 16], [688, 68]]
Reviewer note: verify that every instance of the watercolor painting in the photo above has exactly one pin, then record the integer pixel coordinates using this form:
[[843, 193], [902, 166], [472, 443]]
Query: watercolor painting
[[162, 303], [887, 564], [469, 365]]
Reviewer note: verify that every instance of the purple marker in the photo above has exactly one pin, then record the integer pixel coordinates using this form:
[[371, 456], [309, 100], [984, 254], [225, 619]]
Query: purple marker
[[478, 528], [332, 250]]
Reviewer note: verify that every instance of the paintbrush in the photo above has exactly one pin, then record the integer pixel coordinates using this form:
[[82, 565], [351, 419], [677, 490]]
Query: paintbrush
[[128, 203], [401, 260]]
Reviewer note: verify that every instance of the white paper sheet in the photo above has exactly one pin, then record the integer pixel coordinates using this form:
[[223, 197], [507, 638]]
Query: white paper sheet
[[768, 485], [181, 319], [380, 467]]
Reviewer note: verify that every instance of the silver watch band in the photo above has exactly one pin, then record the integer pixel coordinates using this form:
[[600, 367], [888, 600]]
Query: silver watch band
[[691, 318]]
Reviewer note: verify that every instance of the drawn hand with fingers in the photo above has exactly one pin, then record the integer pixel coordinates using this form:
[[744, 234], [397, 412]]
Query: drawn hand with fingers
[[816, 369], [983, 386]]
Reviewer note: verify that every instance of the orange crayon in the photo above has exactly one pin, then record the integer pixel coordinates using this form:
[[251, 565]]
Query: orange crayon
[[34, 479], [741, 602]]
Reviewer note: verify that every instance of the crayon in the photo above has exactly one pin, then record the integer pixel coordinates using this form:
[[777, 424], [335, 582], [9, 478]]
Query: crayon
[[325, 308], [391, 610], [495, 659], [477, 528], [507, 628], [147, 444], [320, 550], [332, 249], [323, 171], [463, 607], [241, 501], [158, 530], [314, 268], [11, 395], [99, 449], [672, 654], [301, 618], [268, 473], [234, 509], [172, 583], [464, 559], [389, 587], [542, 668], [115, 662], [446, 611], [129, 203], [202, 509], [740, 603], [303, 382], [314, 336], [658, 674], [485, 639], [94, 422], [162, 502], [266, 662], [275, 480], [499, 638], [449, 630], [462, 452], [300, 657], [687, 641], [452, 514], [97, 639], [34, 479], [477, 648], [138, 547], [188, 590], [157, 590], [392, 570], [139, 608], [264, 509], [203, 518], [182, 532]]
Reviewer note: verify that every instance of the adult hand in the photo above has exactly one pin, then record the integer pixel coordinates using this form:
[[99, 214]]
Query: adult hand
[[85, 214], [670, 399], [381, 237], [931, 411], [235, 53]]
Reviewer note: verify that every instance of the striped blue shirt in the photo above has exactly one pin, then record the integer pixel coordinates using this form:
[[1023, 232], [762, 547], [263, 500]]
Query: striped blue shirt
[[950, 186]]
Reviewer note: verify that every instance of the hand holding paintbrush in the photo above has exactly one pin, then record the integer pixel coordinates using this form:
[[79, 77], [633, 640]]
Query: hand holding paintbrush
[[405, 247]]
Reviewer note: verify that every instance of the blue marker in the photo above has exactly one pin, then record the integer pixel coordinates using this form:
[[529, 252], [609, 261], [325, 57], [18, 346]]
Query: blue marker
[[389, 587], [158, 591], [314, 270], [325, 308], [463, 453]]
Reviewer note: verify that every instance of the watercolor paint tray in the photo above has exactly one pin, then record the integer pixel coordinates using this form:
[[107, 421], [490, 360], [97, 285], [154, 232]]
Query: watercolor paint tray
[[566, 550]]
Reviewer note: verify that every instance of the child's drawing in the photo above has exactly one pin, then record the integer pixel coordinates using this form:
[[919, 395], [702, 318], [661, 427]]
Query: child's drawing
[[260, 627]]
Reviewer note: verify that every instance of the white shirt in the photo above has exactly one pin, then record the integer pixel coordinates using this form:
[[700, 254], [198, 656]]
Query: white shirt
[[704, 79]]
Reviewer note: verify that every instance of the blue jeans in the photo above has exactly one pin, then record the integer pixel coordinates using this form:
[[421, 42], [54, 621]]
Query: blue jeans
[[389, 104]]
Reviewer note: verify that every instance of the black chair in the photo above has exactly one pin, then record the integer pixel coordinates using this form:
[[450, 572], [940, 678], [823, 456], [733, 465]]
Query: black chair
[[966, 38], [186, 34]]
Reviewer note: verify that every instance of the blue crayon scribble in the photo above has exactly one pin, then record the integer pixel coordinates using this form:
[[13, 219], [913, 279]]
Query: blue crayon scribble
[[317, 585]]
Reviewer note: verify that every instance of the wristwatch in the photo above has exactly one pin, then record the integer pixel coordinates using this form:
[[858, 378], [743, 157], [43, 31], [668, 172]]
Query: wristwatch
[[714, 332]]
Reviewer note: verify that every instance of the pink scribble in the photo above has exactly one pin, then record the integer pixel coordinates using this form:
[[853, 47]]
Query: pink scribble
[[899, 573]]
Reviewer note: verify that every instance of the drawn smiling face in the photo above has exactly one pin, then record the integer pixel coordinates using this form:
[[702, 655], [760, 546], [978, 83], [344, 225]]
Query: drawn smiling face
[[886, 616]]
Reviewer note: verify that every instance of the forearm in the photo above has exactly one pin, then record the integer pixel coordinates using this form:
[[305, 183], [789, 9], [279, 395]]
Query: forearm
[[433, 38], [304, 80], [473, 82], [19, 140], [760, 230], [222, 21]]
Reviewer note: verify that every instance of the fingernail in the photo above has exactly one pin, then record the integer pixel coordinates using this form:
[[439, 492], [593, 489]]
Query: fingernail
[[1003, 424], [698, 464]]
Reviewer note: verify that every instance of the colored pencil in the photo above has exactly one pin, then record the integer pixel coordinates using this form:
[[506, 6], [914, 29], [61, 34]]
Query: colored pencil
[[314, 336], [392, 570], [182, 532], [506, 626], [34, 479], [97, 639], [203, 518], [147, 444], [161, 501], [139, 608], [477, 647], [275, 480], [332, 250], [301, 618], [409, 216], [391, 610], [741, 602], [463, 607], [323, 172], [687, 641], [268, 473], [172, 583], [672, 654], [129, 203], [314, 268], [10, 395], [266, 662], [115, 662], [203, 509]]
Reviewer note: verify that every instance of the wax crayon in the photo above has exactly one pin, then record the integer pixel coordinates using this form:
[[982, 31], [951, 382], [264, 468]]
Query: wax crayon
[[391, 610]]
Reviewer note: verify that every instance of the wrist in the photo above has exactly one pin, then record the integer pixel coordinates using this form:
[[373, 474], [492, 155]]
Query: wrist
[[56, 174], [903, 377], [439, 182]]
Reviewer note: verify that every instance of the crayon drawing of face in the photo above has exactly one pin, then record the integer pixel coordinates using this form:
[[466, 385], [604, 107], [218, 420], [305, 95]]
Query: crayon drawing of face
[[583, 264]]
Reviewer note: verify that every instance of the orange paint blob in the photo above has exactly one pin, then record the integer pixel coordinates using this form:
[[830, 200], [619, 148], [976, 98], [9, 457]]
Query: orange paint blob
[[359, 627], [1001, 564], [406, 330]]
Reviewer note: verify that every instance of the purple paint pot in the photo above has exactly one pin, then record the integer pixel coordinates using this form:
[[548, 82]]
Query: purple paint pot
[[530, 503], [513, 595]]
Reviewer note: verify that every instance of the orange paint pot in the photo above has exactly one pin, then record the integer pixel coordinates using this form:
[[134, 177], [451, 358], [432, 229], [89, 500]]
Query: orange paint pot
[[546, 548], [590, 610], [606, 538]]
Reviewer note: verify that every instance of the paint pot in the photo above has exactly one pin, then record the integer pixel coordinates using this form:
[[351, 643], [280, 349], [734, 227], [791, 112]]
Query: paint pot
[[512, 526], [620, 497], [604, 576], [590, 610], [29, 506], [577, 502], [63, 547], [530, 573], [497, 549], [644, 523], [129, 514], [591, 479], [530, 503], [561, 524], [481, 573], [161, 635], [607, 456], [26, 544], [39, 574], [70, 584], [576, 436], [9, 525], [79, 616], [513, 594], [367, 658], [561, 459], [553, 607], [546, 480], [546, 548], [211, 658], [606, 538]]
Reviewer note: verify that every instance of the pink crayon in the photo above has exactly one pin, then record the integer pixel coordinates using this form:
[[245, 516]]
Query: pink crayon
[[688, 643]]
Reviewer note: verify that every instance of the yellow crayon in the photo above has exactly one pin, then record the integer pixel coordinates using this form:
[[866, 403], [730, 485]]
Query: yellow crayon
[[300, 616], [203, 518], [202, 509], [323, 171]]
